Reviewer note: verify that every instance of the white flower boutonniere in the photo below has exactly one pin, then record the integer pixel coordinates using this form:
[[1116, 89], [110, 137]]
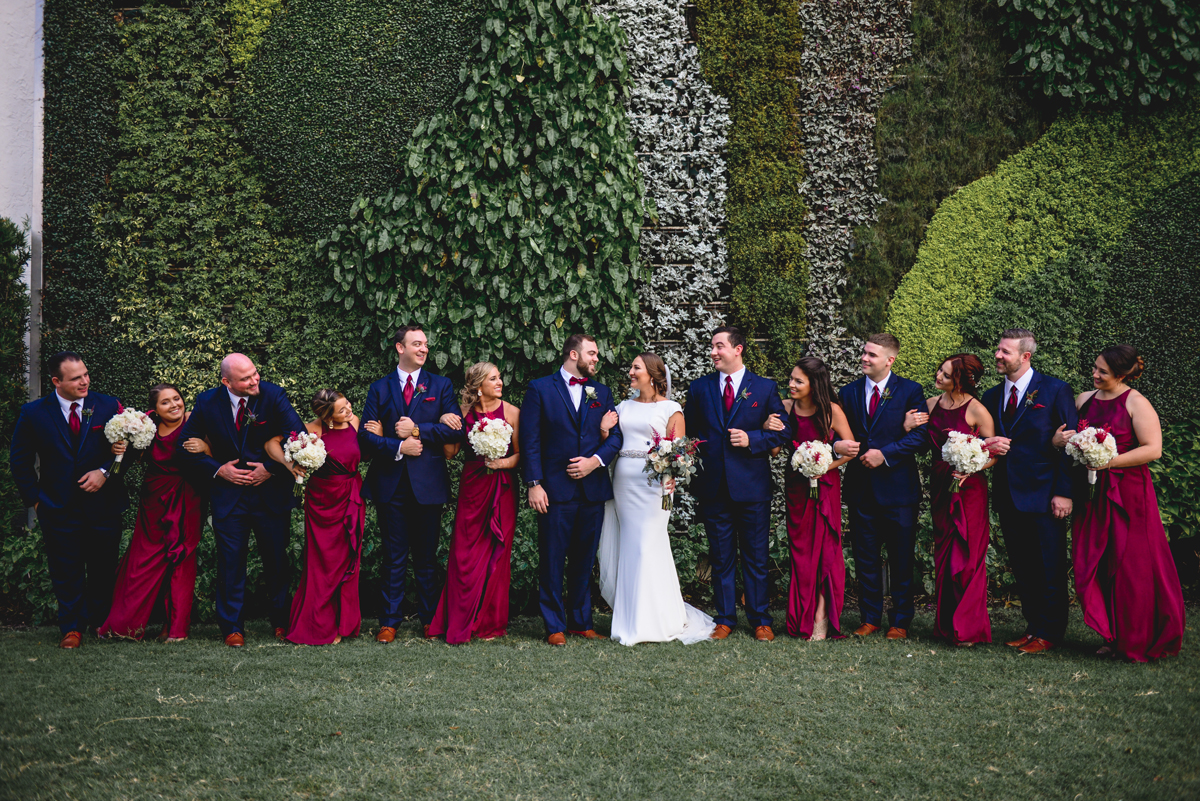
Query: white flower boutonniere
[[590, 392]]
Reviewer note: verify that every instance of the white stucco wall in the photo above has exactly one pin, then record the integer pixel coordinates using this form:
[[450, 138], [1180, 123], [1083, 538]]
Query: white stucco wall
[[21, 135]]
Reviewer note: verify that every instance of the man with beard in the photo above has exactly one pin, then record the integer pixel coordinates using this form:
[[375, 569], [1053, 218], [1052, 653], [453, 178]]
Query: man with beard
[[1031, 486], [568, 435]]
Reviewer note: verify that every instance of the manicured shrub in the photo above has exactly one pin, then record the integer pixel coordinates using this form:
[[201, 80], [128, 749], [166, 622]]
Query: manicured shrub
[[14, 360]]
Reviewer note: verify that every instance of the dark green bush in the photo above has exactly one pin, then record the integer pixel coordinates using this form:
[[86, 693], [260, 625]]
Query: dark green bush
[[750, 51], [1177, 478], [1103, 53], [14, 360], [335, 90]]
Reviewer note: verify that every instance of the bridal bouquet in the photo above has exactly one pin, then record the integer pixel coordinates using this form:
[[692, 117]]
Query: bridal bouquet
[[130, 426], [965, 453], [812, 459], [306, 450], [671, 457], [1092, 447], [490, 438]]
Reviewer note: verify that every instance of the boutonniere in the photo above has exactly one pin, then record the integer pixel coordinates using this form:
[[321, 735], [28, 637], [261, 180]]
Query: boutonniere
[[590, 392], [1030, 398], [420, 389], [87, 413], [252, 419], [744, 394], [886, 396]]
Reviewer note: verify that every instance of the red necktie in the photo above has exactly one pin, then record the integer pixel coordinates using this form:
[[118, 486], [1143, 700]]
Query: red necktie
[[728, 393], [240, 420], [874, 402], [408, 391], [73, 420], [1010, 411], [575, 381]]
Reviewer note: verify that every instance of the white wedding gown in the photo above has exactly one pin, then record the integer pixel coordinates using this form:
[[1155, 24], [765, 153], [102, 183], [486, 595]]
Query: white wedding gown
[[637, 570]]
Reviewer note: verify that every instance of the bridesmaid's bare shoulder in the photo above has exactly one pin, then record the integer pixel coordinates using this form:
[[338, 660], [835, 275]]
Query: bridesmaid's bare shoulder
[[931, 402], [313, 427], [788, 403], [355, 422], [511, 413], [1082, 397]]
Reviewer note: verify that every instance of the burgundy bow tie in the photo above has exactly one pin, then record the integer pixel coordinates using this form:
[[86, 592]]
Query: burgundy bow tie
[[575, 381]]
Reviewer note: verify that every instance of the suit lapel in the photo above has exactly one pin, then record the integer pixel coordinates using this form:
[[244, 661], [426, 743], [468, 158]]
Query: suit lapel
[[718, 406], [85, 422], [57, 419], [418, 392], [1002, 427], [225, 414], [884, 397], [396, 395], [561, 386], [1027, 398], [742, 391]]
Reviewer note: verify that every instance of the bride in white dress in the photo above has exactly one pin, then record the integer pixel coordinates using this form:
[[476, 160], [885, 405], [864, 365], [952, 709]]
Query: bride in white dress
[[637, 569]]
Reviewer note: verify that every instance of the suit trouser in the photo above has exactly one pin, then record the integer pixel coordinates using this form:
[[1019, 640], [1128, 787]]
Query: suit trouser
[[1037, 553], [81, 552], [568, 536], [231, 531], [732, 527], [406, 525], [874, 526]]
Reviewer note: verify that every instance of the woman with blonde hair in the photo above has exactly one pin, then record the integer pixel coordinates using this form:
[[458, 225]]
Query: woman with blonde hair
[[474, 599]]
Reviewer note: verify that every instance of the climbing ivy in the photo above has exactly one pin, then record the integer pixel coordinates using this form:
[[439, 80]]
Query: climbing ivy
[[516, 219]]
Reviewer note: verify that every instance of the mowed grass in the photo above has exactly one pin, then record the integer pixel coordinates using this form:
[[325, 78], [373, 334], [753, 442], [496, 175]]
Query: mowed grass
[[515, 718]]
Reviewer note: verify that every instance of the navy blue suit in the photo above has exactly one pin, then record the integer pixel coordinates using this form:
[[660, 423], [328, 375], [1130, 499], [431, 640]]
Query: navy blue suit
[[409, 493], [883, 502], [734, 487], [554, 431], [82, 530], [237, 510], [1023, 482]]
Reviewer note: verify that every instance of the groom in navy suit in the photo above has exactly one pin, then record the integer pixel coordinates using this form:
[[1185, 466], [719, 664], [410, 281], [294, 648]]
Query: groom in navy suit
[[407, 478], [1031, 485], [882, 487], [726, 410], [60, 461], [567, 438], [249, 490]]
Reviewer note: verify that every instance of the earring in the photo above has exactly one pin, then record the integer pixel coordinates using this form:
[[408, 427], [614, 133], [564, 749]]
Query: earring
[[479, 392]]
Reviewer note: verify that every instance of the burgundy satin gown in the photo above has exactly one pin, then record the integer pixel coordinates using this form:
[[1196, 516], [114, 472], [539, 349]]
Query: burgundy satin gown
[[961, 532], [475, 598], [162, 549], [1125, 577], [326, 603], [814, 530]]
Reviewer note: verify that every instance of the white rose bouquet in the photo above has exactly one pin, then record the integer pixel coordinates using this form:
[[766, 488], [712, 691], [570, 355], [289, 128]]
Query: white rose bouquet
[[490, 438], [306, 450], [965, 453], [671, 457], [133, 427], [812, 459], [1092, 447]]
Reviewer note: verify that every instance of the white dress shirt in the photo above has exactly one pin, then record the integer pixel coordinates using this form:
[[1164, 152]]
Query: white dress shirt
[[737, 377], [234, 399], [871, 389], [65, 406], [576, 393], [1021, 384], [416, 379]]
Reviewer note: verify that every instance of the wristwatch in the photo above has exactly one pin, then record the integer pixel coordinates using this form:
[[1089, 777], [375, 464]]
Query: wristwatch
[[533, 483], [416, 432]]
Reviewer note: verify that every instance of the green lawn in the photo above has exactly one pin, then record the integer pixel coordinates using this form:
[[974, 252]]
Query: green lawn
[[517, 719]]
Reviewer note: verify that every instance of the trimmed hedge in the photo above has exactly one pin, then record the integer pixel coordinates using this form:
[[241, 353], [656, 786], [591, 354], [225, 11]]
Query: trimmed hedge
[[750, 51], [953, 116], [1081, 185], [516, 220], [1105, 53], [336, 89], [14, 361]]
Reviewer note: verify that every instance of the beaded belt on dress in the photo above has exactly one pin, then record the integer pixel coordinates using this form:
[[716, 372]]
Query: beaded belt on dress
[[632, 454]]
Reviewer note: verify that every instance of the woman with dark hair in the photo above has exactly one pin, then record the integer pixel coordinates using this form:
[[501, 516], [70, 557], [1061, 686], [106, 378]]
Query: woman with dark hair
[[165, 535], [1125, 577], [325, 608], [814, 526], [474, 600], [961, 526]]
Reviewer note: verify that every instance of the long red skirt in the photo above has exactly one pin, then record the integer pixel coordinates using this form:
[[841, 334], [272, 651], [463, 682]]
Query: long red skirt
[[962, 530]]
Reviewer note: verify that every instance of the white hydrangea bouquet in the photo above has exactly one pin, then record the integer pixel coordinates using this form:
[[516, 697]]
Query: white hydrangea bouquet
[[671, 457], [1092, 447], [966, 454], [133, 427], [812, 459], [306, 450], [490, 438]]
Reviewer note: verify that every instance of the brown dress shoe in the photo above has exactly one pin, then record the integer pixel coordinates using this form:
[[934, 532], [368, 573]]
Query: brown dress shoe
[[386, 634], [425, 631], [764, 634], [721, 632], [1021, 641], [557, 638], [70, 640], [235, 640], [1036, 646], [590, 634], [865, 630], [280, 633], [895, 633]]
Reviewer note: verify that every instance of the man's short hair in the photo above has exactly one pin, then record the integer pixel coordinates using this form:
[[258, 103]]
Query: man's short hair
[[403, 332], [54, 366], [573, 342], [734, 334], [885, 340], [1028, 342]]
